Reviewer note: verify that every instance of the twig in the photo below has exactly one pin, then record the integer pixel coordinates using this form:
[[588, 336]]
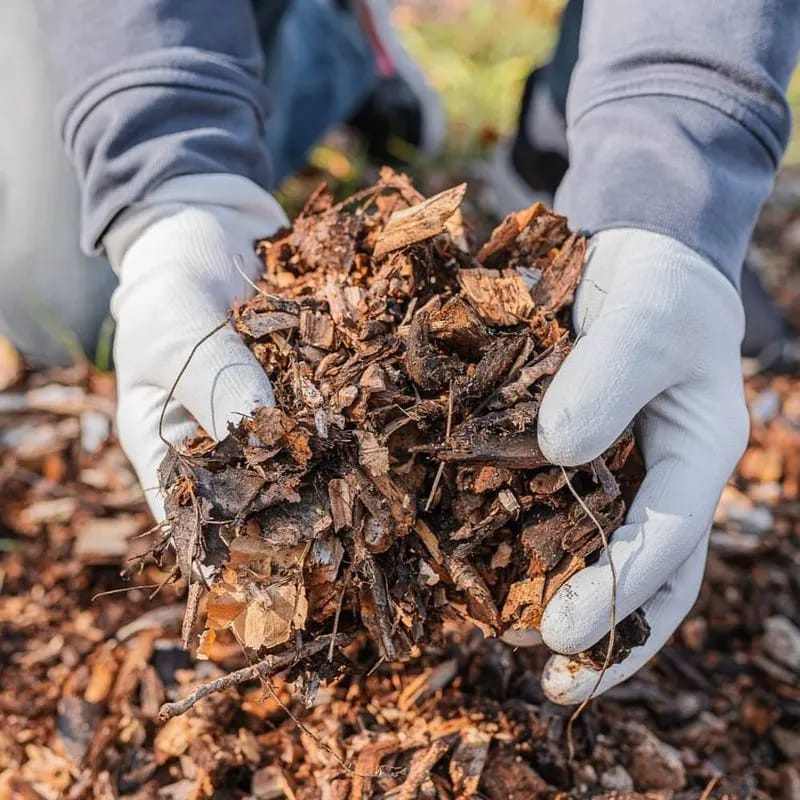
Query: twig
[[709, 788], [261, 669], [124, 589], [612, 633], [440, 471], [421, 765], [308, 732], [338, 614], [192, 611]]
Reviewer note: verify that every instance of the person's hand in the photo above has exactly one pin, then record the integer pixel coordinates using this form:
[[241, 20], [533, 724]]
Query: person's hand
[[180, 258], [659, 332]]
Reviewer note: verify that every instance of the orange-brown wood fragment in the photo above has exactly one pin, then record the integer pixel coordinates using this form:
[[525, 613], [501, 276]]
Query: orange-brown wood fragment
[[419, 222]]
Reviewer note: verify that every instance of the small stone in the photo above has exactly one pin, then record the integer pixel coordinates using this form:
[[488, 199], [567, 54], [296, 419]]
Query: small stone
[[654, 764], [781, 641], [77, 720], [617, 778]]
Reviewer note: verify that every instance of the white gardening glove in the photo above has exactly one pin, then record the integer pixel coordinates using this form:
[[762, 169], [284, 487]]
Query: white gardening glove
[[174, 256], [659, 332]]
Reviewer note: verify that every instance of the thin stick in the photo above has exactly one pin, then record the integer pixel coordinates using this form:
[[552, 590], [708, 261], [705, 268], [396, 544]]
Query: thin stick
[[306, 730], [191, 614], [261, 669], [125, 589], [440, 471], [612, 633], [709, 788], [180, 375], [172, 575], [339, 611]]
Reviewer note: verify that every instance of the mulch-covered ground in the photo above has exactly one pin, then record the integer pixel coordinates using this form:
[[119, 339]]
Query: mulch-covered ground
[[86, 667]]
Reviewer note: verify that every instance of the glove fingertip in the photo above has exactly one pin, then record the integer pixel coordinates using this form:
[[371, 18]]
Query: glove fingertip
[[225, 384], [565, 682], [578, 615], [566, 434]]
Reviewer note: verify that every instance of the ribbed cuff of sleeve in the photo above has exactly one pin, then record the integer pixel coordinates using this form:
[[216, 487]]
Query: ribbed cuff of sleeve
[[665, 156], [143, 123]]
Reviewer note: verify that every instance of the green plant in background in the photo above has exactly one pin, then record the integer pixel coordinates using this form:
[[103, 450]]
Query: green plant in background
[[793, 152], [477, 53]]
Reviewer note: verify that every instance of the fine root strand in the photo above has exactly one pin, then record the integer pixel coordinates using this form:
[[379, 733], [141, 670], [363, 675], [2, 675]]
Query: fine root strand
[[613, 616]]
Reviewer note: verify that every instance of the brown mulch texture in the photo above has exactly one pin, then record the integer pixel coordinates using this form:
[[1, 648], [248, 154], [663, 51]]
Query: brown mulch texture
[[716, 714], [397, 483]]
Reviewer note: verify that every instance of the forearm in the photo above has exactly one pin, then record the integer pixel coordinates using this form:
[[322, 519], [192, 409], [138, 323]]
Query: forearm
[[677, 119], [153, 90]]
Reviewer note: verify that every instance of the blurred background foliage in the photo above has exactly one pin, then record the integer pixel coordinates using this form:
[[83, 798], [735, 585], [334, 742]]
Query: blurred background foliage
[[477, 54]]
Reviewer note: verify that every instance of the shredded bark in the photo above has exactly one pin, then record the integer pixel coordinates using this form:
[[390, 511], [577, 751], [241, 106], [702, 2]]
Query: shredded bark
[[403, 445]]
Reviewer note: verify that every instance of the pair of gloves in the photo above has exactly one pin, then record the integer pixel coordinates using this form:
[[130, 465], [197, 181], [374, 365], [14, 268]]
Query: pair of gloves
[[659, 332]]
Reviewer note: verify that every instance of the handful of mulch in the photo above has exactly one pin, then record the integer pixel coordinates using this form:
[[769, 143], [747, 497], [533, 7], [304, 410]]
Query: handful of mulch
[[398, 481]]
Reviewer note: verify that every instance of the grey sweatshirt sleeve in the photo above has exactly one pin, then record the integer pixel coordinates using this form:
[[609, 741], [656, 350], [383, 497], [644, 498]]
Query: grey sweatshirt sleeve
[[153, 89], [677, 118]]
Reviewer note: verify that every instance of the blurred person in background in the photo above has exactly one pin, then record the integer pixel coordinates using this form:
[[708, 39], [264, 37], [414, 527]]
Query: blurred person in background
[[658, 129]]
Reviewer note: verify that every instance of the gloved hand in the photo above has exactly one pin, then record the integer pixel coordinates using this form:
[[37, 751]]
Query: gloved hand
[[659, 331], [174, 256]]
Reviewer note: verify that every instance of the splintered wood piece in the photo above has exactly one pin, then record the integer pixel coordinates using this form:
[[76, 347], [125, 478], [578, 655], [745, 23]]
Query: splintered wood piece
[[526, 235], [317, 329], [505, 438], [376, 608], [468, 761], [523, 607], [372, 455], [341, 499], [259, 325], [458, 325], [429, 540], [545, 364], [419, 222], [500, 297], [494, 367], [557, 577], [430, 369], [368, 765], [605, 477], [560, 277], [479, 598], [422, 762]]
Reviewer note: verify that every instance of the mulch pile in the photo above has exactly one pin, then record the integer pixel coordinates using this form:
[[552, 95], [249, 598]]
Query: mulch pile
[[398, 481], [715, 714]]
